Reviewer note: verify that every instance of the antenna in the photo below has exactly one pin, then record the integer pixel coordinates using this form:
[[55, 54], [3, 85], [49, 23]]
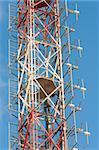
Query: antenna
[[77, 12], [83, 89], [77, 47], [66, 8], [80, 48], [87, 134], [73, 11]]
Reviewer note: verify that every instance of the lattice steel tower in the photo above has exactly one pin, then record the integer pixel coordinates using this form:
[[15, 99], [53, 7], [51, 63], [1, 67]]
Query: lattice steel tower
[[41, 86]]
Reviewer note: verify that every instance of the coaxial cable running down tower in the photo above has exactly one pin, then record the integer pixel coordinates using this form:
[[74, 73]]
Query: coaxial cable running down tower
[[41, 71]]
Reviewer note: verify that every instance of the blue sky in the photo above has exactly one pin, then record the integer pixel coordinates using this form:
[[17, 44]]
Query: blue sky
[[88, 25], [3, 75], [87, 29]]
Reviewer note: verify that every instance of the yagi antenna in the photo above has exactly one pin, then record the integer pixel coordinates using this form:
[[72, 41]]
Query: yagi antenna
[[76, 12], [77, 47], [80, 49], [66, 8], [83, 89], [87, 134]]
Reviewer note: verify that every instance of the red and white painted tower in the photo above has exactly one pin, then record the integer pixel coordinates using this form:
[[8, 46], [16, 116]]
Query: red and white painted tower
[[40, 89], [41, 113]]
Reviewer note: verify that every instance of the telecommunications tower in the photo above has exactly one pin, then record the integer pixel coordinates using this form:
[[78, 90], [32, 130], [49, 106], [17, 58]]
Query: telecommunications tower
[[42, 89]]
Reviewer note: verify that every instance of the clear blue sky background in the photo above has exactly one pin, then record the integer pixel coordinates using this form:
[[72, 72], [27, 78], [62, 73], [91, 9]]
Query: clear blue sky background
[[89, 34]]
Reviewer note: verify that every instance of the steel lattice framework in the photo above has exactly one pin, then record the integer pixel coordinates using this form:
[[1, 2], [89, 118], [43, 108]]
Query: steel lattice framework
[[41, 73]]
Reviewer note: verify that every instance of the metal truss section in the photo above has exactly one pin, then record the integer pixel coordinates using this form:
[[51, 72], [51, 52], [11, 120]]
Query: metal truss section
[[42, 88], [41, 114], [13, 78]]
